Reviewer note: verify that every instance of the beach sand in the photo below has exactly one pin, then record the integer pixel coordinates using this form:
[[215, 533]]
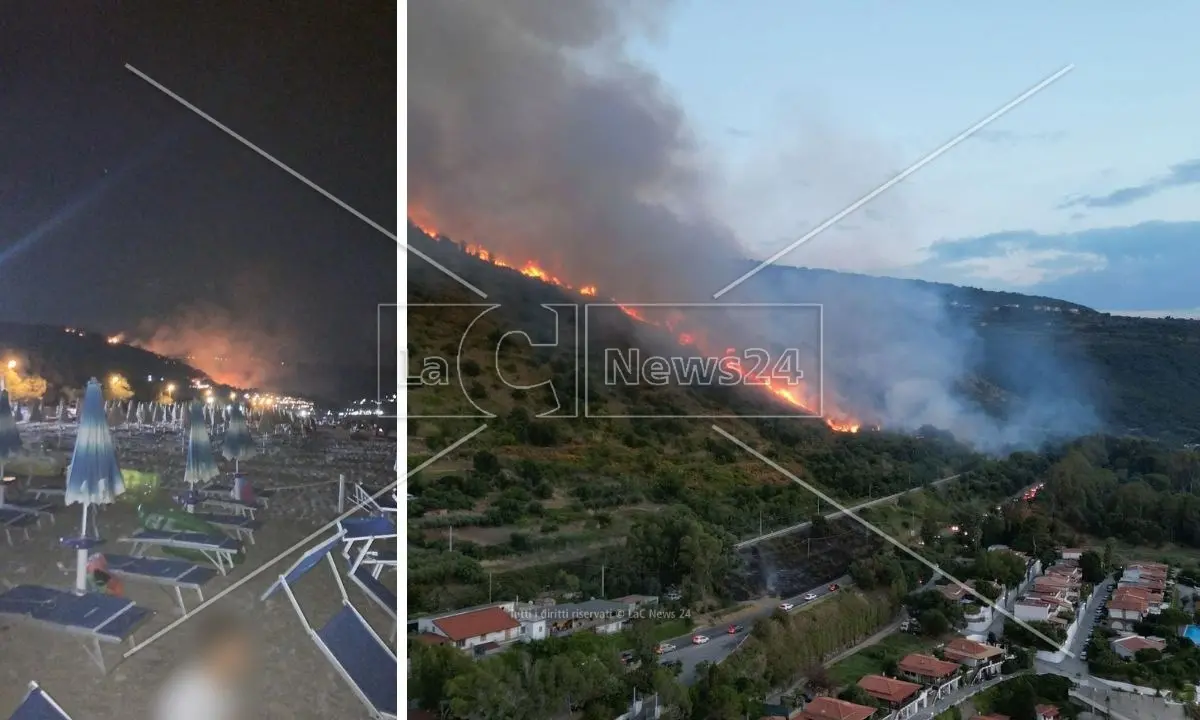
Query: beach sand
[[295, 679]]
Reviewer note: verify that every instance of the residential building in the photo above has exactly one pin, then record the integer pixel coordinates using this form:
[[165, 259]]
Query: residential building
[[601, 616], [1124, 612], [1046, 712], [905, 699], [468, 630], [1072, 553], [1032, 609], [1126, 647], [941, 676], [993, 716], [827, 708], [984, 661]]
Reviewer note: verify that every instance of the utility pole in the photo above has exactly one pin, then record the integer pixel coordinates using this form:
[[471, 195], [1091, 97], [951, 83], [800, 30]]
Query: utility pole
[[760, 529], [489, 587], [451, 538], [602, 597]]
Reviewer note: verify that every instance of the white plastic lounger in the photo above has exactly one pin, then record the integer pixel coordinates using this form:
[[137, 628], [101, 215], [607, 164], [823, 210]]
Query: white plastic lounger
[[220, 550], [16, 520], [178, 575], [92, 617], [358, 654], [241, 526], [230, 505], [38, 705], [365, 497]]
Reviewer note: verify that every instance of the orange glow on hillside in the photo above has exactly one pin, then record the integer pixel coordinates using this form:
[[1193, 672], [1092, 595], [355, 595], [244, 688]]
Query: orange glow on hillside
[[789, 391]]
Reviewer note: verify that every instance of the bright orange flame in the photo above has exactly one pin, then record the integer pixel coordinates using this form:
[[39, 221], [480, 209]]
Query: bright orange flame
[[423, 219], [784, 389]]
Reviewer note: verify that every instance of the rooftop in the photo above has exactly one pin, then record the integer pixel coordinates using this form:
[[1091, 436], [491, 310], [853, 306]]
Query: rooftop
[[827, 708], [473, 624], [927, 666], [888, 689], [960, 648], [1133, 643]]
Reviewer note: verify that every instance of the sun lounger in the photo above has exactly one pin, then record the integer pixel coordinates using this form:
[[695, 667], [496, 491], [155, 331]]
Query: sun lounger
[[375, 500], [242, 526], [92, 617], [379, 593], [38, 705], [179, 575], [218, 549], [229, 505], [225, 490], [16, 520], [44, 492], [38, 508], [356, 652]]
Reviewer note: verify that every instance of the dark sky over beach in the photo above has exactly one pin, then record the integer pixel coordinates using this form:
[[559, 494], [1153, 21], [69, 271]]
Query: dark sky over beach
[[121, 210]]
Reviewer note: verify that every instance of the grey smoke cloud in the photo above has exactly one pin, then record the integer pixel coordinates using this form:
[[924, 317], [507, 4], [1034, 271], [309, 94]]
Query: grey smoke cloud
[[532, 133]]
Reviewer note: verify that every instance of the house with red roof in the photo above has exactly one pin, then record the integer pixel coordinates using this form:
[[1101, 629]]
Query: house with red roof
[[1127, 646], [1047, 712], [905, 699], [477, 627], [827, 708], [941, 676], [982, 661]]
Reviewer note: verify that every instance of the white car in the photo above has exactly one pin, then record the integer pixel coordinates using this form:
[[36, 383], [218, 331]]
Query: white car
[[809, 597], [665, 648], [786, 607], [699, 639]]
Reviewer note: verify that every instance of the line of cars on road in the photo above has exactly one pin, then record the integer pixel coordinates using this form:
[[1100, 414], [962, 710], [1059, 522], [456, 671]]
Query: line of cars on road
[[1096, 619], [808, 597]]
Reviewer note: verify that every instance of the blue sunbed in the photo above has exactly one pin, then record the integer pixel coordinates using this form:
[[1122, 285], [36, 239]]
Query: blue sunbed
[[165, 572], [242, 526], [38, 705], [92, 617], [358, 654], [38, 508], [16, 520], [220, 550]]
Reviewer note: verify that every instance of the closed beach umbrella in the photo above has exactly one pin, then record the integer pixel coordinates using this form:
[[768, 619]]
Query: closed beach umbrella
[[10, 439], [93, 478], [238, 444], [201, 465]]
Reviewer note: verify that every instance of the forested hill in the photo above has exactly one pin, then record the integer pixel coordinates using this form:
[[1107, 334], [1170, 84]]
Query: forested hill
[[1140, 376]]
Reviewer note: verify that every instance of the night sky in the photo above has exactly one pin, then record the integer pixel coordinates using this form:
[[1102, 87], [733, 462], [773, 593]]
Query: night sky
[[121, 210]]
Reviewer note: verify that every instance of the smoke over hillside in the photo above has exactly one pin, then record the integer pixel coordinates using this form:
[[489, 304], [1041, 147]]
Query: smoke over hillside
[[532, 134]]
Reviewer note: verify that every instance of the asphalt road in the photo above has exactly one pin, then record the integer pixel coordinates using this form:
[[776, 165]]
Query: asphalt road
[[721, 643], [834, 515]]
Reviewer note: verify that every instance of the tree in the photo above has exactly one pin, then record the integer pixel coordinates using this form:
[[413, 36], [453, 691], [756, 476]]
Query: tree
[[1092, 567], [934, 623], [22, 389], [117, 388], [433, 667]]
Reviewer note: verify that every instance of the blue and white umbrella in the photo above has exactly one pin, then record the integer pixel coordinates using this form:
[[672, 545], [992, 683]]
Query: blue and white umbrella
[[93, 477], [201, 465], [238, 444], [10, 439]]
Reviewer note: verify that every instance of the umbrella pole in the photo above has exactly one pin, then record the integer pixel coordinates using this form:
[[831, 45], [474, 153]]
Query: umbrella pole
[[81, 556], [2, 483]]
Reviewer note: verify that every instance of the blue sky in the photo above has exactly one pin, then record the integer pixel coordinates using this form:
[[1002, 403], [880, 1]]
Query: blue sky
[[1089, 191]]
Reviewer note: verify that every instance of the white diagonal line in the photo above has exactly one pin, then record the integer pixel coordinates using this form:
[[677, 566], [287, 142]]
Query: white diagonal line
[[281, 165], [913, 553], [323, 530], [912, 169]]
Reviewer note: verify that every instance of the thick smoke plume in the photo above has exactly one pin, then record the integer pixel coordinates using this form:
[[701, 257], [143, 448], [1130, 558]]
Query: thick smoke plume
[[231, 349], [533, 135]]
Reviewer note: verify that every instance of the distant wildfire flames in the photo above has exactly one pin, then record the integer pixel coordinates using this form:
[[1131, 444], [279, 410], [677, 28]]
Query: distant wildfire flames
[[792, 393]]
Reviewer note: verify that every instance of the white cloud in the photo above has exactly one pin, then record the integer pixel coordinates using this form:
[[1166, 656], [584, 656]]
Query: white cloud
[[1019, 267]]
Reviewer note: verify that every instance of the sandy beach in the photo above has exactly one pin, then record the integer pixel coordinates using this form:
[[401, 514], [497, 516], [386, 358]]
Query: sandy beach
[[295, 680]]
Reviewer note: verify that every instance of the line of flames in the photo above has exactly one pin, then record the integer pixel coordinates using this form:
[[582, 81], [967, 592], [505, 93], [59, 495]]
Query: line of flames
[[791, 395]]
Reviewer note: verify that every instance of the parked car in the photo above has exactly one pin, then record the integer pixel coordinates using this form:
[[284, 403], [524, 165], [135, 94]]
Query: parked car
[[699, 639], [786, 607], [626, 657], [664, 648]]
